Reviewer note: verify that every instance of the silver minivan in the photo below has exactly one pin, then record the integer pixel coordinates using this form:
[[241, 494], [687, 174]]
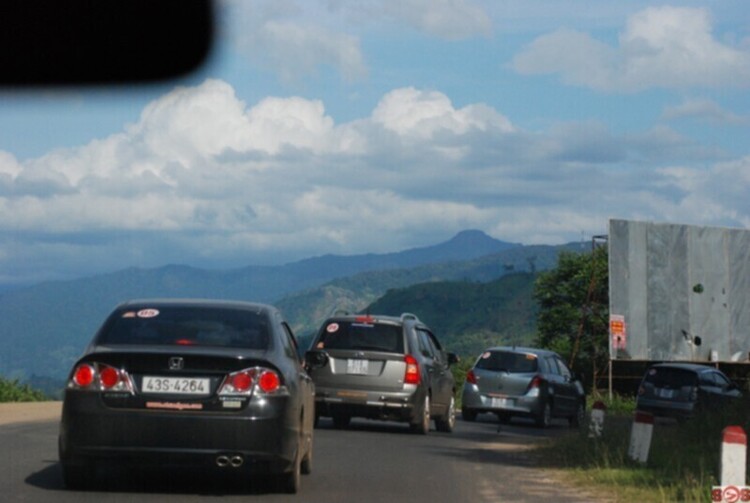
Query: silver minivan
[[384, 368]]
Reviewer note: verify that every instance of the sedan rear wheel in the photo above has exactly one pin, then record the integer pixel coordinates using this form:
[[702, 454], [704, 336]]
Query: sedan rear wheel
[[76, 477], [290, 481], [447, 422]]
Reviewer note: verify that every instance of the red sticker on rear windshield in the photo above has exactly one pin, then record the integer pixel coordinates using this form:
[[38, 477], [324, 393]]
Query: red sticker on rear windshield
[[148, 313], [333, 327]]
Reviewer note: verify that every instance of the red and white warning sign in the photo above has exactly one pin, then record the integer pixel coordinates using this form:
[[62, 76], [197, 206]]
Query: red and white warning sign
[[618, 331]]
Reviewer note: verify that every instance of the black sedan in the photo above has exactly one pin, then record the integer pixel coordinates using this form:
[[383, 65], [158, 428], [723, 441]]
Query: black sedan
[[209, 384]]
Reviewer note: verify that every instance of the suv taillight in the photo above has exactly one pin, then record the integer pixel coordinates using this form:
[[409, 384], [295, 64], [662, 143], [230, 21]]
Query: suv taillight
[[411, 376], [471, 377], [100, 377]]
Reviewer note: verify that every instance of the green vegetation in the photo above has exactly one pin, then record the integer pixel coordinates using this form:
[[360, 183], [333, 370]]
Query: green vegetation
[[574, 310], [13, 391], [469, 316], [683, 460]]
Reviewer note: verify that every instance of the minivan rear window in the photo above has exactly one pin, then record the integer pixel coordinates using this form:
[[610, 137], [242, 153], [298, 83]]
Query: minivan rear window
[[187, 326], [507, 361], [362, 336]]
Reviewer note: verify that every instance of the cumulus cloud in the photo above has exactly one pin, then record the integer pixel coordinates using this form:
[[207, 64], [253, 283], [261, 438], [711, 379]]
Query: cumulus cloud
[[273, 34], [666, 47], [204, 177]]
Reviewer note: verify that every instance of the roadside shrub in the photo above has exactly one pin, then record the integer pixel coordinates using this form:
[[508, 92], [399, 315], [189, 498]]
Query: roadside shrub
[[13, 391]]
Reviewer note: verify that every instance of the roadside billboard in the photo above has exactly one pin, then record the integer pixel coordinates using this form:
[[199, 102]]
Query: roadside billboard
[[678, 292]]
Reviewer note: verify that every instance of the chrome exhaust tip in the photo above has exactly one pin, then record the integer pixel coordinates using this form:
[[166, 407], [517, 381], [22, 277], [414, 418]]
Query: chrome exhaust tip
[[236, 461], [222, 461]]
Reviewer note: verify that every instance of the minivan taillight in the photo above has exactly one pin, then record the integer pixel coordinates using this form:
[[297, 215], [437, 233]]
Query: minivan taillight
[[411, 376], [471, 377]]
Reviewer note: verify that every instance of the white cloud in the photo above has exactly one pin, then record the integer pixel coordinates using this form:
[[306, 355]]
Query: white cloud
[[275, 35], [203, 176], [447, 19], [704, 110], [409, 111], [668, 47]]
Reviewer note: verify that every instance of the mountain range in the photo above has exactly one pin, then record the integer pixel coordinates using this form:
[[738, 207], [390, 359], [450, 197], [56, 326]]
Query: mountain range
[[43, 328]]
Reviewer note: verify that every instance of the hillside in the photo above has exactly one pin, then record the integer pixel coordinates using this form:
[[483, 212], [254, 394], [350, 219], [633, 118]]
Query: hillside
[[469, 316], [307, 309]]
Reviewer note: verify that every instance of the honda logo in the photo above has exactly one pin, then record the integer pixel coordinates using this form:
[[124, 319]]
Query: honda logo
[[176, 363]]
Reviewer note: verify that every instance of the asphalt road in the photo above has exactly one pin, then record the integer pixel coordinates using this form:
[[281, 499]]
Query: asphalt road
[[370, 462]]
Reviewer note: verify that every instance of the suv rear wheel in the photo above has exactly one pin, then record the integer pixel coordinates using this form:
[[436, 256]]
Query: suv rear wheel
[[423, 426], [447, 422]]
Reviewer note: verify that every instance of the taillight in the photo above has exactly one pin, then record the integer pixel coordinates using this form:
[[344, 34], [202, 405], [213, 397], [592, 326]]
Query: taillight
[[412, 370], [83, 376], [100, 377], [471, 377], [269, 381], [109, 377], [242, 381], [253, 380], [534, 386]]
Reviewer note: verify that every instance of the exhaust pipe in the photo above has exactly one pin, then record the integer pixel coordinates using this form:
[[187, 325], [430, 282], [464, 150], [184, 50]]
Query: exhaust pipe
[[224, 461]]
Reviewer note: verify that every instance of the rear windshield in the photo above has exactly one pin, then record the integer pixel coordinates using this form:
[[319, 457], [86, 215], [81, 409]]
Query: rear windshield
[[671, 377], [361, 336], [507, 361], [188, 326]]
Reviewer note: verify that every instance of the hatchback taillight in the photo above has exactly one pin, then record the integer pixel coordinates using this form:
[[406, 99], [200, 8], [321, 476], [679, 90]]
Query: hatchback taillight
[[256, 380], [411, 376], [471, 377], [534, 386]]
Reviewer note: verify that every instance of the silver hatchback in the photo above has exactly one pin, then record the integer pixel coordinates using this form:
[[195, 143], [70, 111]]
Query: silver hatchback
[[382, 367], [527, 382]]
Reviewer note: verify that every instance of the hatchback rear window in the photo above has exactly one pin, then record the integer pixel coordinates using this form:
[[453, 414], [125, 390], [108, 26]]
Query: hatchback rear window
[[671, 377], [362, 336], [232, 328], [507, 361]]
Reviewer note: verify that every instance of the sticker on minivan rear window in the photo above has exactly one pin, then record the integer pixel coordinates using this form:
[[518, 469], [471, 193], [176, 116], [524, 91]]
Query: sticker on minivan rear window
[[148, 313], [332, 327], [486, 355]]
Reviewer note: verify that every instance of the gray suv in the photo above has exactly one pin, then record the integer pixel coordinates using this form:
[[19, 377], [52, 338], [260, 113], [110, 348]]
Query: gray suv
[[382, 367]]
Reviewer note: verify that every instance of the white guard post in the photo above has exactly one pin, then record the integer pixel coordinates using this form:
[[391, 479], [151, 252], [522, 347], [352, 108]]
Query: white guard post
[[640, 436], [733, 456], [596, 424]]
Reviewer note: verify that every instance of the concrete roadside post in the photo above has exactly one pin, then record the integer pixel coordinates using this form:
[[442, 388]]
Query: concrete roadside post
[[596, 423], [733, 456], [640, 436]]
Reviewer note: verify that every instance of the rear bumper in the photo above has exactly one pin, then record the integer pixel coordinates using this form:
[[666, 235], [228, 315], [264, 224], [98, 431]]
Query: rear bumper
[[664, 408], [475, 401], [265, 437], [400, 406]]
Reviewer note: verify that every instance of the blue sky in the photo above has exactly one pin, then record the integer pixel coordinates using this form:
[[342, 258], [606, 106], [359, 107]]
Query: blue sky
[[361, 126]]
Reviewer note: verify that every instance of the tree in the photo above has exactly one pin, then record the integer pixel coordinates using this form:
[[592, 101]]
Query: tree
[[573, 317]]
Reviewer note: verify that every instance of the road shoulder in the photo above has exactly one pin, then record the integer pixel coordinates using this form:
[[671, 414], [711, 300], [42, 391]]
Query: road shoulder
[[25, 412]]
